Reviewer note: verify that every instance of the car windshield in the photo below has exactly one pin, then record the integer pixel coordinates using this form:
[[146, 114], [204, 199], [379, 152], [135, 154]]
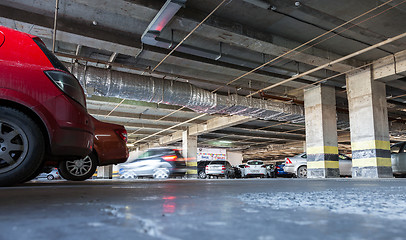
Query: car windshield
[[255, 162], [157, 152], [395, 148], [218, 162]]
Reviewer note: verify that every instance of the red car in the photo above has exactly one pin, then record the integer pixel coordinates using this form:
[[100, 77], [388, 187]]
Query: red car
[[42, 109], [110, 147]]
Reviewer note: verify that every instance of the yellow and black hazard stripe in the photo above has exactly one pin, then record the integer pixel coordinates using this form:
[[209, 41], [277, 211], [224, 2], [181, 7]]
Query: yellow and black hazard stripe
[[116, 174], [322, 161], [371, 158], [191, 171]]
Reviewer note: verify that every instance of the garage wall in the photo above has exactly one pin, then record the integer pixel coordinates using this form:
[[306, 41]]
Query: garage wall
[[235, 158]]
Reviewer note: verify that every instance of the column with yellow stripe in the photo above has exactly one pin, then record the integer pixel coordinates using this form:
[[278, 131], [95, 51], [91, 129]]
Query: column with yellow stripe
[[369, 126], [321, 132], [189, 146], [323, 162], [371, 159]]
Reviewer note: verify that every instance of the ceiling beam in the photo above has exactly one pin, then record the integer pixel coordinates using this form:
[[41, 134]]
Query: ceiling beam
[[209, 126], [391, 67]]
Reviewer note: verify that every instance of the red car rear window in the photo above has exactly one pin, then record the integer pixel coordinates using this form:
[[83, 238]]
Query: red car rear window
[[1, 38]]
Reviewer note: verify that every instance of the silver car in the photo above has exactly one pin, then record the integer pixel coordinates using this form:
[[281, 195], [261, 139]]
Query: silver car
[[158, 163], [398, 158], [298, 165], [218, 168], [50, 175]]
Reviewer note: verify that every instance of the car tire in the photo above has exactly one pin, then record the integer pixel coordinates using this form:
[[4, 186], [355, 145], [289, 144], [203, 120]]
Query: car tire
[[22, 147], [161, 173], [80, 169], [50, 177], [302, 172], [202, 175]]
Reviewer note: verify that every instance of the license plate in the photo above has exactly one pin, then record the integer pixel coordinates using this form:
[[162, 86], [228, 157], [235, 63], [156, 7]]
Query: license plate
[[255, 171]]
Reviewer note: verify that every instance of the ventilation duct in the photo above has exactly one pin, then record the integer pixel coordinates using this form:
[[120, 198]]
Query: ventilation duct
[[109, 83]]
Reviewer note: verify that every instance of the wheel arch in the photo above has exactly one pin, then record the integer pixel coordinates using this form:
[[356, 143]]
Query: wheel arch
[[300, 165], [33, 115]]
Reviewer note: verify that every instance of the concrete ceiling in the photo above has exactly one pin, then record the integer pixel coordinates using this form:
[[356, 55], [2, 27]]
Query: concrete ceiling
[[107, 35]]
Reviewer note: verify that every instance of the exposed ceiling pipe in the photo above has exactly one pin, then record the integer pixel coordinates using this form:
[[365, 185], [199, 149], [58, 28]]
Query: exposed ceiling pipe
[[55, 25], [109, 83]]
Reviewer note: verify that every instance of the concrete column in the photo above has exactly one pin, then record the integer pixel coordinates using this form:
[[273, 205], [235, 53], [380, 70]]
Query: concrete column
[[321, 132], [105, 172], [189, 145], [369, 126]]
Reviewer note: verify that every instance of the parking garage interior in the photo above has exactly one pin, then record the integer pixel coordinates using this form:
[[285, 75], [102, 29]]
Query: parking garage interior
[[264, 79]]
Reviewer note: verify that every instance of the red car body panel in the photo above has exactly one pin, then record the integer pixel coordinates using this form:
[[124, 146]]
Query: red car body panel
[[109, 146], [23, 81]]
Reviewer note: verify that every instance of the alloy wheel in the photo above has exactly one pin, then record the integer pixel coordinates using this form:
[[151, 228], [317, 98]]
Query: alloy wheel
[[13, 146], [79, 167]]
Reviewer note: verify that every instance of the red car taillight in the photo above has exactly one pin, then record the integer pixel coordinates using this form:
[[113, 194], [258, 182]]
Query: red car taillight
[[287, 161], [263, 166], [207, 167], [68, 84], [223, 168], [247, 166], [170, 158], [122, 133]]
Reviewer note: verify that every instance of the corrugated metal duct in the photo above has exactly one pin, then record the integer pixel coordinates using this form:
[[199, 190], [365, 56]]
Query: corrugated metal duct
[[109, 83]]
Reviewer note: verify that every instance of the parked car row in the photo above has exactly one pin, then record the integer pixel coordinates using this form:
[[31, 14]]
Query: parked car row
[[217, 168], [43, 117], [297, 165]]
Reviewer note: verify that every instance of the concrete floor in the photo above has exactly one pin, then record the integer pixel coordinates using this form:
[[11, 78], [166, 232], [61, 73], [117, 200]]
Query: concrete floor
[[262, 209]]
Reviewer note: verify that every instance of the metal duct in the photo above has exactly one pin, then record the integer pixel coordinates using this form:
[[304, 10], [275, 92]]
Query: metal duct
[[109, 83]]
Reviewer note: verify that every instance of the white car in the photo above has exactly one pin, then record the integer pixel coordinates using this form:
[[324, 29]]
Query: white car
[[298, 165], [255, 168]]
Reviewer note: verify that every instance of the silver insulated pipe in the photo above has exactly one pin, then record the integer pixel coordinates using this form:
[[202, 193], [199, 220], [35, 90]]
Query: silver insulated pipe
[[109, 83]]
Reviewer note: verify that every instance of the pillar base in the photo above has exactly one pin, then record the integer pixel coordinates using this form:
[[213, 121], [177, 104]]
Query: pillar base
[[191, 176], [372, 172], [323, 173]]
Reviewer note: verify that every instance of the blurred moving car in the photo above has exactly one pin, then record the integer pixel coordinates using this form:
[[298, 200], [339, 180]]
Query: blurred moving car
[[398, 159], [110, 147], [219, 168], [297, 165], [279, 170], [158, 163], [201, 168], [42, 109], [51, 175], [255, 168]]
